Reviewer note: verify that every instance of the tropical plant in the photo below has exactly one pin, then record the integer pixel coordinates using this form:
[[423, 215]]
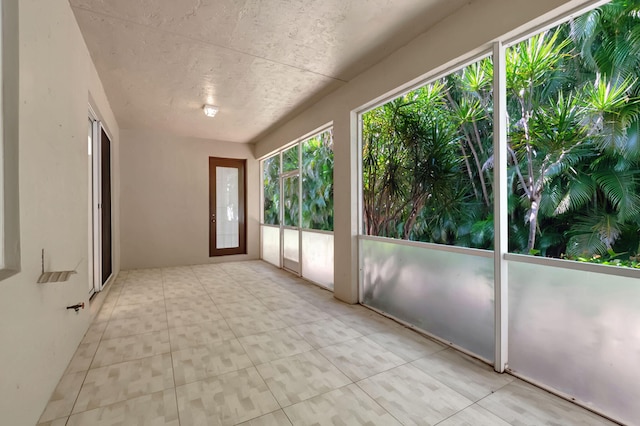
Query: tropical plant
[[317, 182], [573, 147], [271, 190]]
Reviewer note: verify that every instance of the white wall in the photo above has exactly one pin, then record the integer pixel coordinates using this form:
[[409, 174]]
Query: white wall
[[464, 34], [38, 336], [165, 199]]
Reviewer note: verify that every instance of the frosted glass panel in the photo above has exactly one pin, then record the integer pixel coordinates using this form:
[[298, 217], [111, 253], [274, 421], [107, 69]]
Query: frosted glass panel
[[271, 245], [291, 245], [578, 332], [317, 258], [449, 295], [227, 228]]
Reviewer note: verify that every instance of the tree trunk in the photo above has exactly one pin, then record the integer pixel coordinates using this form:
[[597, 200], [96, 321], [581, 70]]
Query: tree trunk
[[533, 223]]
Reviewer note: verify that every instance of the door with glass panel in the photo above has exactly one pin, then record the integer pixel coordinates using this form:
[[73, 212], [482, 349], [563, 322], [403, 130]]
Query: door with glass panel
[[291, 221], [290, 208], [101, 247], [227, 225]]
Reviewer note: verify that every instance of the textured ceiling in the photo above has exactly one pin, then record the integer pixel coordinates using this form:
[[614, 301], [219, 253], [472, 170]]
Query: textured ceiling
[[259, 61]]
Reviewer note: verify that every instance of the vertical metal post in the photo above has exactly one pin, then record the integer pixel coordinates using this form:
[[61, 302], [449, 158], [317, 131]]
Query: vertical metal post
[[300, 208], [281, 209], [501, 285]]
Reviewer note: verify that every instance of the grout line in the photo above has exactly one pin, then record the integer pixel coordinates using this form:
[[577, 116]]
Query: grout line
[[173, 370]]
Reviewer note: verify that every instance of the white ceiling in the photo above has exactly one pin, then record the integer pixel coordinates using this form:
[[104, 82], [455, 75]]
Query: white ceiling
[[260, 61]]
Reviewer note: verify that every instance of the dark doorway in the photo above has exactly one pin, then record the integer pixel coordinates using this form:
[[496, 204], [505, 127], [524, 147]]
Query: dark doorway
[[105, 205]]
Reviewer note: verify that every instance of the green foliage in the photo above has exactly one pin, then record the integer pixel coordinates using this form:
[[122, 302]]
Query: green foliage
[[574, 147], [315, 202], [421, 154], [271, 190], [317, 182]]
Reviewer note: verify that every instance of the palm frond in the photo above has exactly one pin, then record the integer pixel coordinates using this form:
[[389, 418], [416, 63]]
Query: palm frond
[[593, 235], [621, 190]]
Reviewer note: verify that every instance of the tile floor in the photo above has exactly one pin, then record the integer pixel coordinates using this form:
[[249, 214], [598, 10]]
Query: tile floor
[[246, 343]]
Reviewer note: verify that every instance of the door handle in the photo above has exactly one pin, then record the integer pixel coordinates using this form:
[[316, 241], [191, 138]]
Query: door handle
[[213, 218]]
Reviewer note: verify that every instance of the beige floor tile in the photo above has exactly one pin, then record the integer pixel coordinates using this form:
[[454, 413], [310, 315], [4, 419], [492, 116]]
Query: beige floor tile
[[57, 422], [131, 326], [177, 280], [301, 315], [217, 280], [312, 294], [523, 404], [277, 418], [64, 395], [347, 406], [225, 400], [474, 416], [95, 332], [275, 303], [472, 378], [107, 385], [216, 291], [104, 314], [235, 310], [335, 308], [81, 360], [153, 279], [193, 316], [272, 345], [238, 295], [301, 377], [407, 344], [361, 358], [178, 274], [134, 311], [262, 291], [132, 297], [414, 397], [202, 333], [142, 293], [120, 349], [369, 323], [196, 291], [187, 303], [326, 332], [201, 362], [260, 322], [156, 409]]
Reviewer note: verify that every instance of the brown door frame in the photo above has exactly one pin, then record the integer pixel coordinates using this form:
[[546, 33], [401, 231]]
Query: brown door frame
[[240, 164]]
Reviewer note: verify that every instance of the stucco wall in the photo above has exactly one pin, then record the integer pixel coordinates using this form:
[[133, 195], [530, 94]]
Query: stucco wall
[[165, 199], [38, 334]]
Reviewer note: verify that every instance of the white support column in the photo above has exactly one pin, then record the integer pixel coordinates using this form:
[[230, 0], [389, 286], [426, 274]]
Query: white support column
[[345, 203], [501, 300]]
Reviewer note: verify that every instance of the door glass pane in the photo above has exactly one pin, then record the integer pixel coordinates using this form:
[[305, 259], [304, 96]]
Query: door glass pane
[[227, 227], [291, 245], [291, 190], [271, 190]]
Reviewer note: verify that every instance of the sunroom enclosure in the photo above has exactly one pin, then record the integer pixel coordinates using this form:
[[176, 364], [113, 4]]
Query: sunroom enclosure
[[513, 231], [296, 227]]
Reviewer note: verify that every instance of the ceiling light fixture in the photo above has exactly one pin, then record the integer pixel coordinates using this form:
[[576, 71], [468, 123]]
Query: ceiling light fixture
[[210, 110]]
